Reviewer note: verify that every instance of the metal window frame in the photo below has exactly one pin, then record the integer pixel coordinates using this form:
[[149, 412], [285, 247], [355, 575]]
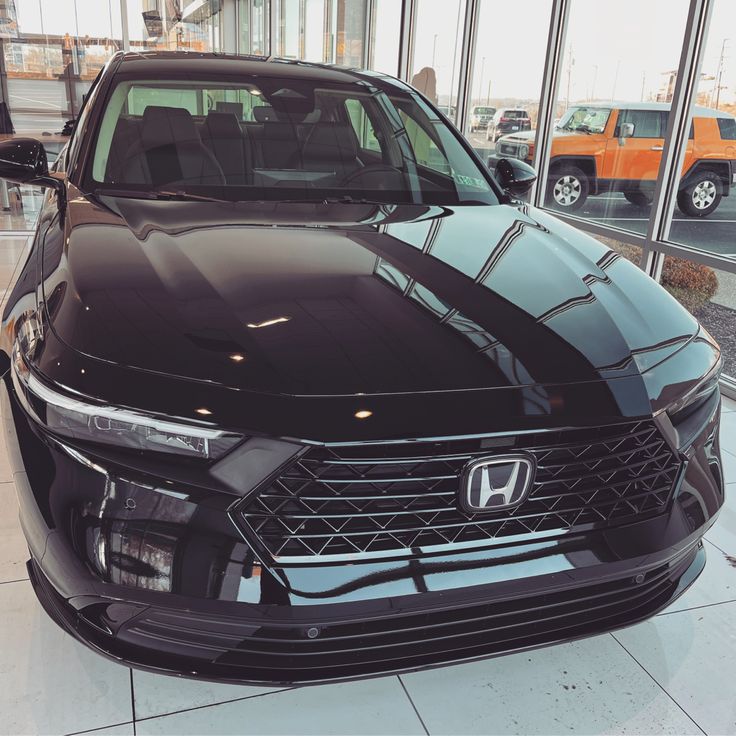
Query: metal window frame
[[553, 61]]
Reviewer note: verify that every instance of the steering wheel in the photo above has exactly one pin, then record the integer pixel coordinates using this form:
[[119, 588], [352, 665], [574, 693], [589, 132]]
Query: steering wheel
[[367, 170]]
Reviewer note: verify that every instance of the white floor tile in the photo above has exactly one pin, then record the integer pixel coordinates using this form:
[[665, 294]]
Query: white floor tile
[[716, 584], [692, 655], [723, 533], [6, 475], [50, 683], [729, 467], [122, 729], [586, 687], [728, 431], [157, 695], [368, 707], [13, 547]]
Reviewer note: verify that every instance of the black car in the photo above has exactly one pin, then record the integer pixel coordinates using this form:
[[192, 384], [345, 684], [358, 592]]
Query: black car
[[296, 391], [508, 120]]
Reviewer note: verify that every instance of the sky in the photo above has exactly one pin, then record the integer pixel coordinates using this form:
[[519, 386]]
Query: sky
[[614, 49]]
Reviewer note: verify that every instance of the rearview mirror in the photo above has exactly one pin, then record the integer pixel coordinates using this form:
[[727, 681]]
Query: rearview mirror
[[515, 176], [625, 130], [23, 160]]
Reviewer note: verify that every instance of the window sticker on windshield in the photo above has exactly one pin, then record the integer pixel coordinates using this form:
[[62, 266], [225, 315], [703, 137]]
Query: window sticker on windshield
[[469, 181]]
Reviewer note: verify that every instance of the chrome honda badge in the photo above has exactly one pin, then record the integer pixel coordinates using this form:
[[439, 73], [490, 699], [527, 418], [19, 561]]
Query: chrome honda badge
[[495, 483]]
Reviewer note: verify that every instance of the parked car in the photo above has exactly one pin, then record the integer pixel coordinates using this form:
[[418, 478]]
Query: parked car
[[269, 423], [480, 116], [450, 112], [599, 148], [508, 120]]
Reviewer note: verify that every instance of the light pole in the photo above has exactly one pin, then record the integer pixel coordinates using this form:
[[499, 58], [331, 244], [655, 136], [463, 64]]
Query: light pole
[[434, 49], [480, 86]]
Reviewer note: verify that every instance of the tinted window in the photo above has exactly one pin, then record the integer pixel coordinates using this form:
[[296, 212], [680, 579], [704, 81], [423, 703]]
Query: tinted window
[[727, 126], [281, 139], [647, 123], [516, 114]]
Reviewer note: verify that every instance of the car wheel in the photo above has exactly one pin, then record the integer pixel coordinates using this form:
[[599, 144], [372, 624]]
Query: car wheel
[[567, 189], [701, 196], [640, 199]]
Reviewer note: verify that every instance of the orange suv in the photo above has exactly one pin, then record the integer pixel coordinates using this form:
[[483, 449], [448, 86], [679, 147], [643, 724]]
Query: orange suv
[[617, 147]]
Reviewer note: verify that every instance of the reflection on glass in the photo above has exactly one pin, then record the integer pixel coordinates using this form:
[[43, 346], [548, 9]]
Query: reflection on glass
[[504, 96], [612, 110], [706, 203]]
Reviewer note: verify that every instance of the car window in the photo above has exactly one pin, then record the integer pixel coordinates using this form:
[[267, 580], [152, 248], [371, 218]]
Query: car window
[[516, 114], [585, 119], [727, 127], [647, 123], [281, 139]]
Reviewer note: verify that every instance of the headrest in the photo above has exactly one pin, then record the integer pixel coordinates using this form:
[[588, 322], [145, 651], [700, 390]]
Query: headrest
[[223, 125], [163, 126], [264, 113], [279, 132], [331, 141], [236, 108]]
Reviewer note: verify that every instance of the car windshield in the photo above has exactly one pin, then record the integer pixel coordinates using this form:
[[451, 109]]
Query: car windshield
[[282, 139], [585, 119], [515, 114], [484, 110]]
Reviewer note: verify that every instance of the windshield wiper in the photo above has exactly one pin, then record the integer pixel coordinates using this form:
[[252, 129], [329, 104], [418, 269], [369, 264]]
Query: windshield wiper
[[156, 194], [183, 196]]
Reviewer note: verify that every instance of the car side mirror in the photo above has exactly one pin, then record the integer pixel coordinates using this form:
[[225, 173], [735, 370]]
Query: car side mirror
[[515, 176], [626, 130], [23, 160]]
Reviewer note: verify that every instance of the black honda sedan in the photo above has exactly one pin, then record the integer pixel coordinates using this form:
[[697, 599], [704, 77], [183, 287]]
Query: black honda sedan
[[296, 390]]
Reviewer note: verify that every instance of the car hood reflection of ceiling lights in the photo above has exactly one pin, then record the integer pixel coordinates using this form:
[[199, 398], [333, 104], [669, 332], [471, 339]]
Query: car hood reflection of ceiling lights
[[268, 323]]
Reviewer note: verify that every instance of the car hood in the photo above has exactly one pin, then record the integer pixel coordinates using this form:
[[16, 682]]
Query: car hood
[[346, 299]]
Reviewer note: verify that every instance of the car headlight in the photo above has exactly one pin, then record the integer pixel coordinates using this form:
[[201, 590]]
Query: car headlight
[[81, 419], [523, 151], [697, 396]]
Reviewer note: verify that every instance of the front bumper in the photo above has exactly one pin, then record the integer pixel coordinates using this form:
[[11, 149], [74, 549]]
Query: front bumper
[[156, 575]]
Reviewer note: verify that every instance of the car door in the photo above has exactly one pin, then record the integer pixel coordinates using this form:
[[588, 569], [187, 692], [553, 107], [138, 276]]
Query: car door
[[636, 158]]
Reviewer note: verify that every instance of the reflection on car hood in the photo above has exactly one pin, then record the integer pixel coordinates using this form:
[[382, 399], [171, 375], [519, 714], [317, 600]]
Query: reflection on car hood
[[348, 299]]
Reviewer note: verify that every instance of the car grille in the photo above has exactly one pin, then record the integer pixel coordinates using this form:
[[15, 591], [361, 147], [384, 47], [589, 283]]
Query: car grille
[[401, 498]]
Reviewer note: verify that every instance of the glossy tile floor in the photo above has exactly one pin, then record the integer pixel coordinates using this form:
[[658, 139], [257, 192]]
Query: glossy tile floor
[[673, 674]]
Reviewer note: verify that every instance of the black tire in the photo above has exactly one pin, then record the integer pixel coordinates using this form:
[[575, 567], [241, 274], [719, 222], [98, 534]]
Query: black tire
[[702, 195], [638, 198], [567, 188]]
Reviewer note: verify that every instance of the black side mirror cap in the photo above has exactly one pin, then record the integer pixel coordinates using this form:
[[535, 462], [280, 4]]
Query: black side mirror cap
[[515, 176], [23, 160]]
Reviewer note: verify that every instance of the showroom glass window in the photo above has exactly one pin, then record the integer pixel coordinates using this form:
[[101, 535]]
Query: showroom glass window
[[253, 27], [51, 51], [715, 140], [507, 72], [385, 36], [618, 72], [435, 68], [710, 292], [330, 31]]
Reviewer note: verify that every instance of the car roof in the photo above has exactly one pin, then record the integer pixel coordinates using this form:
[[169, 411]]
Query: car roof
[[161, 64], [698, 110]]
